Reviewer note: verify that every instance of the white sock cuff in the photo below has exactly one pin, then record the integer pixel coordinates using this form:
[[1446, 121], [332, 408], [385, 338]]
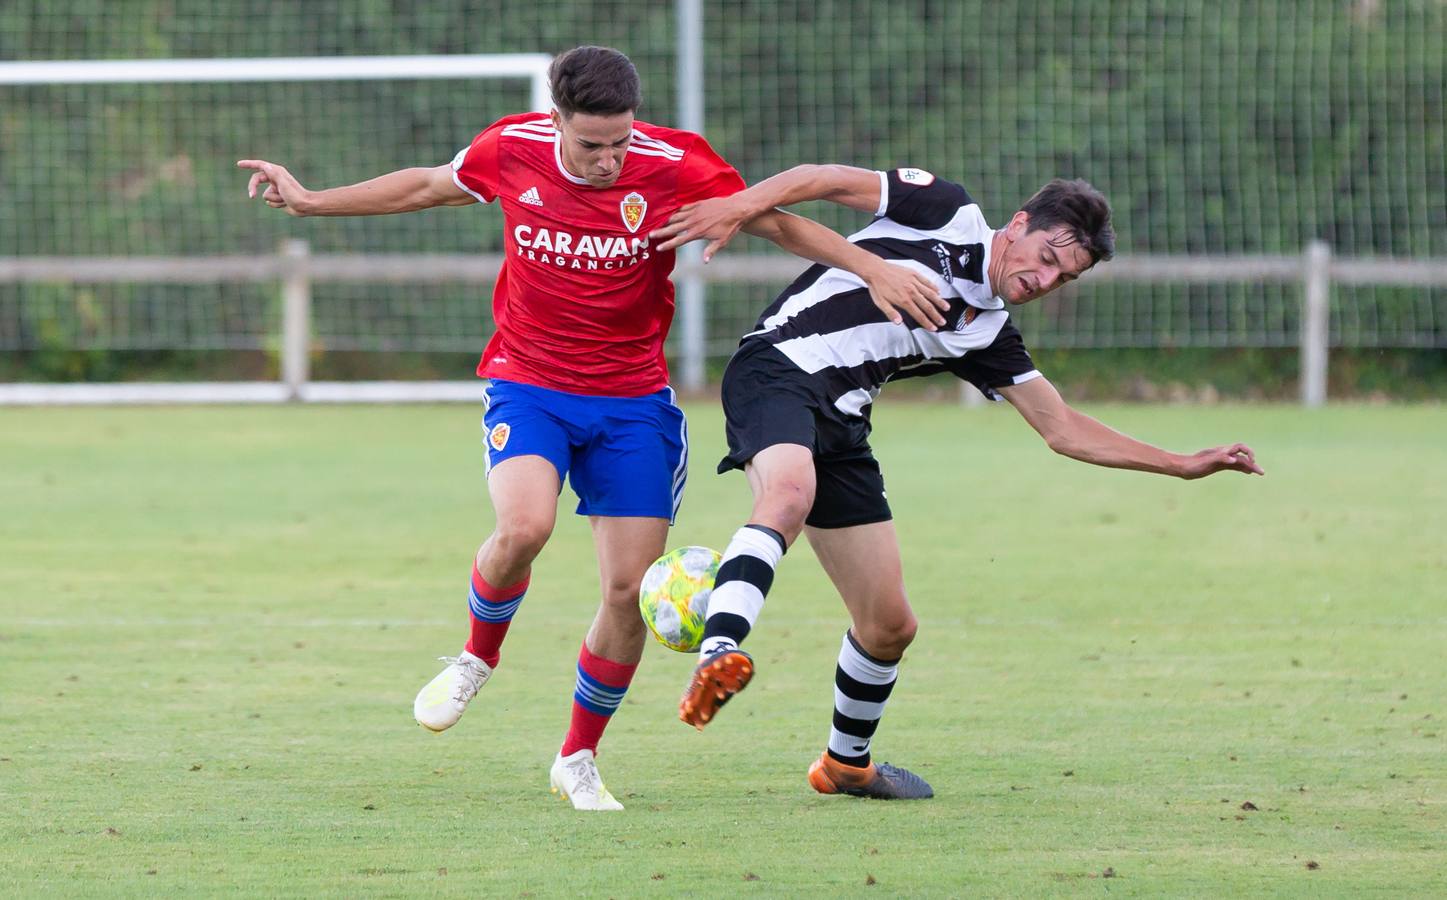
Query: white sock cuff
[[862, 668], [753, 542]]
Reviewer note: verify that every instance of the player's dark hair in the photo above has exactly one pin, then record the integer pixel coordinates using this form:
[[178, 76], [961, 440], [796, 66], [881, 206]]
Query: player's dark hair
[[1081, 209], [599, 81]]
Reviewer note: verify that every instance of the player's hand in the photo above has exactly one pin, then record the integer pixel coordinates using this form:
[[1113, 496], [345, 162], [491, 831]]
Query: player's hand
[[1233, 457], [282, 190], [895, 289], [715, 220]]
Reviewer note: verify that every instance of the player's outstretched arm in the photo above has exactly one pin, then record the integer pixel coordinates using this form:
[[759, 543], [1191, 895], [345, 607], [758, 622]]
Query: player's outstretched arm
[[405, 190], [756, 211], [1072, 433], [717, 220]]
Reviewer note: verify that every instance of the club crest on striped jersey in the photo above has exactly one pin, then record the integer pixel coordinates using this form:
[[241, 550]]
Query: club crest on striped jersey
[[916, 176], [966, 318], [498, 436], [633, 207]]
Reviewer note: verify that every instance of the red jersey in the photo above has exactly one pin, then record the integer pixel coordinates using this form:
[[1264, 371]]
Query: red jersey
[[583, 303]]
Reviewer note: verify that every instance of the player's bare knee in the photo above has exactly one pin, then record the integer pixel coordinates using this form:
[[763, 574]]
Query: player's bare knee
[[622, 593], [784, 506], [519, 539], [904, 630], [887, 637]]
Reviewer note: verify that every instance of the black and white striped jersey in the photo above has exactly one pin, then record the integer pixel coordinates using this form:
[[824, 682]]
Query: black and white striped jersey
[[827, 325]]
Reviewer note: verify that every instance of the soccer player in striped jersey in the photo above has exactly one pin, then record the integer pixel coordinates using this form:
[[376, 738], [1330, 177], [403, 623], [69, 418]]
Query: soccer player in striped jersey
[[797, 396], [578, 382]]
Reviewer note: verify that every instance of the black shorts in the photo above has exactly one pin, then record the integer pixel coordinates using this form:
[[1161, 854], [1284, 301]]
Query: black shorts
[[768, 400]]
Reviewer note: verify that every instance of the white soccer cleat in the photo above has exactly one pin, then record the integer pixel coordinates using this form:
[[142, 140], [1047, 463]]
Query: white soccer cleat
[[442, 702], [576, 778]]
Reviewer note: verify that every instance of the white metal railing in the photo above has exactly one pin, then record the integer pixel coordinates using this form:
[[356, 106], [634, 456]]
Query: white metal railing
[[296, 271]]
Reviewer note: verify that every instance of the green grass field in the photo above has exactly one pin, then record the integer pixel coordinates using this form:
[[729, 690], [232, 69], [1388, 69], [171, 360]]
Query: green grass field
[[213, 622]]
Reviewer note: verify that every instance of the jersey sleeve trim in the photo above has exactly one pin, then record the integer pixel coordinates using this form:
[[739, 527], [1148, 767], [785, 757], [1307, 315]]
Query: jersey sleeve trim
[[919, 200], [651, 146], [457, 164], [883, 194], [992, 393]]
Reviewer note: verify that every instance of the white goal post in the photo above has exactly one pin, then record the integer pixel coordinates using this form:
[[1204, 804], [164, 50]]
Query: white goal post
[[532, 66], [295, 384]]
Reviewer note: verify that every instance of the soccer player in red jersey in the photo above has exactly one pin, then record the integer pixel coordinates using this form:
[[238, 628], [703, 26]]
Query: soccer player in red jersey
[[578, 382]]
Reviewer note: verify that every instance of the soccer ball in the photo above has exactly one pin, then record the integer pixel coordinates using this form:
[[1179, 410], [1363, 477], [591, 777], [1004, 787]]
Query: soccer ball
[[674, 596]]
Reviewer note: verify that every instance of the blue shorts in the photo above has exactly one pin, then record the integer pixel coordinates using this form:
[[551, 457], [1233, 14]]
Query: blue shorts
[[624, 456]]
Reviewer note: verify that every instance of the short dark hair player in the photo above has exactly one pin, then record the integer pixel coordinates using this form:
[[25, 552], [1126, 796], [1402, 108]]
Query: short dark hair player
[[797, 396], [579, 385]]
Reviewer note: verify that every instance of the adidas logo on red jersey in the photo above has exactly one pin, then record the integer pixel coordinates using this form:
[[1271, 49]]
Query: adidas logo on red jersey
[[531, 197]]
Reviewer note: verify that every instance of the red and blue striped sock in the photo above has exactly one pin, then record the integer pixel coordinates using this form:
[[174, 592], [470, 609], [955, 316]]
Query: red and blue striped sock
[[492, 609], [600, 688]]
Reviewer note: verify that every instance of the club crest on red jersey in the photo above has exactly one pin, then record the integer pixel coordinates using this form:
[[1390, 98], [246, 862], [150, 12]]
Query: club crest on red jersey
[[498, 436], [633, 207]]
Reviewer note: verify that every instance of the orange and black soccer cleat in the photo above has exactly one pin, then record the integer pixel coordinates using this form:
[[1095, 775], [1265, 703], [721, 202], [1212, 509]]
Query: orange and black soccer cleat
[[714, 681], [880, 782]]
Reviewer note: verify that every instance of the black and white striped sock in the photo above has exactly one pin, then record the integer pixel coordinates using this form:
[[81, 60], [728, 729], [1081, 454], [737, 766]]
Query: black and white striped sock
[[861, 688], [745, 575]]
